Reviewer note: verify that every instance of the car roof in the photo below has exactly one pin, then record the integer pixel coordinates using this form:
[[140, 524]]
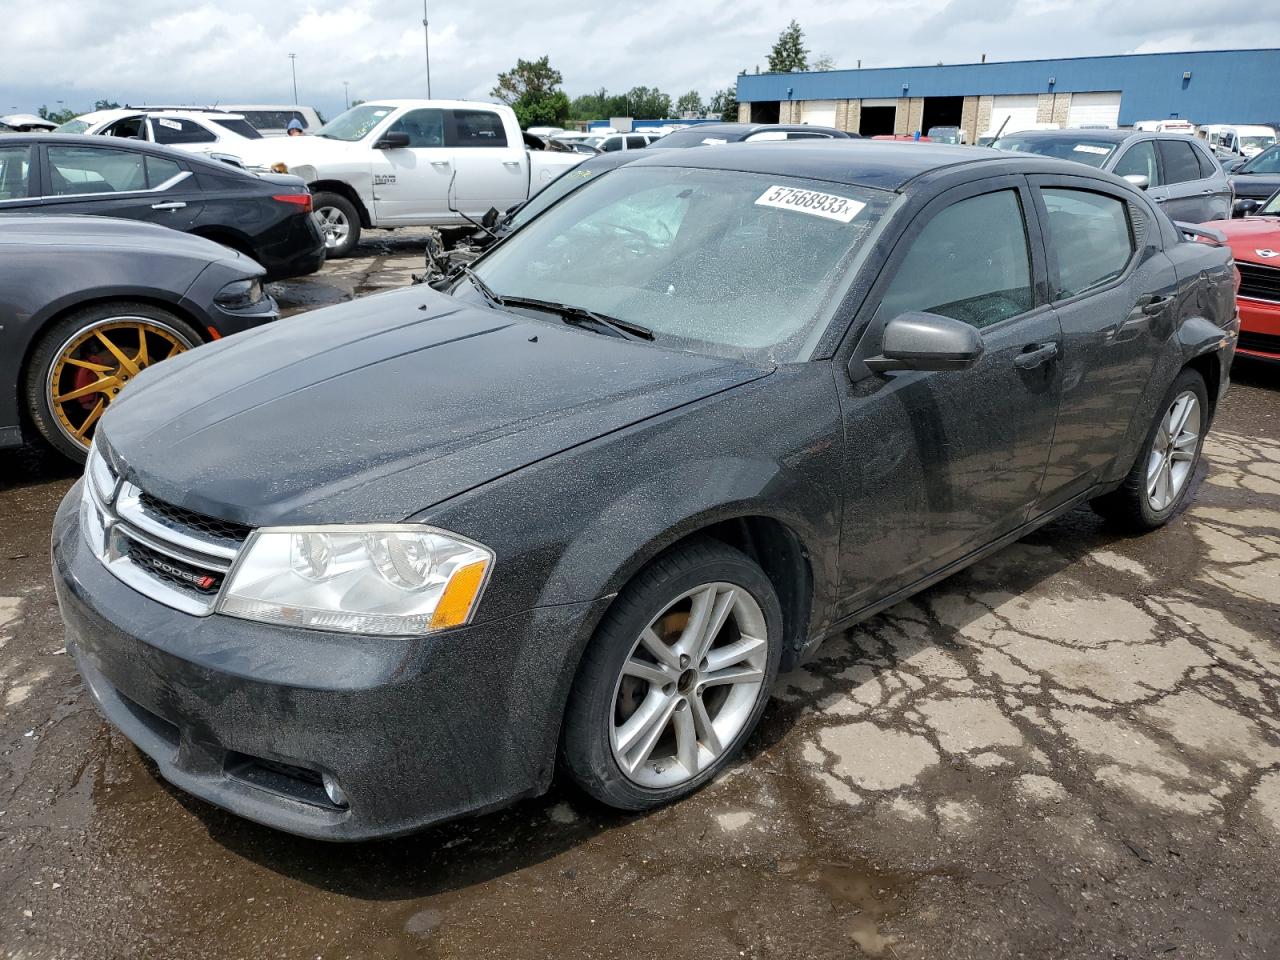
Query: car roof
[[1074, 133], [98, 116], [880, 164]]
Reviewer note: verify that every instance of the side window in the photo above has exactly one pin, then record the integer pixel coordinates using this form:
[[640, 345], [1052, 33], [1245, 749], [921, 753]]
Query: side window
[[1089, 236], [1208, 166], [1139, 160], [15, 162], [424, 127], [611, 144], [1179, 161], [175, 130], [77, 170], [636, 142], [478, 128], [130, 128], [970, 262], [161, 170]]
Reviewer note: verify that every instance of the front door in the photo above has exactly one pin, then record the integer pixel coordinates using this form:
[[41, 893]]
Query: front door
[[412, 184], [491, 171], [940, 464]]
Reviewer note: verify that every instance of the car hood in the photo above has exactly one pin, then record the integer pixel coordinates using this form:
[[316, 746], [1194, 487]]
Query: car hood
[[1248, 235], [377, 409], [1256, 186]]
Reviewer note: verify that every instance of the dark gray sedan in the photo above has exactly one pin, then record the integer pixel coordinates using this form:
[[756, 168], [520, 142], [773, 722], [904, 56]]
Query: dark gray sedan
[[580, 511], [1178, 172]]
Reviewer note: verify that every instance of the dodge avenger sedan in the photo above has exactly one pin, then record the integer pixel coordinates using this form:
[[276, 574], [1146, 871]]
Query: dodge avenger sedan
[[401, 559]]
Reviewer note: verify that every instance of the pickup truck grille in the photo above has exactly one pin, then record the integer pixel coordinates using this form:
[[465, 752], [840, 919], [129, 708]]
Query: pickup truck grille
[[172, 555], [1258, 282]]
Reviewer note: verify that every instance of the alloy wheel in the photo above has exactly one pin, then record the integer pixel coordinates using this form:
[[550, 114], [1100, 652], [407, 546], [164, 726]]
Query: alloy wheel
[[689, 685], [1173, 452], [334, 225], [93, 366]]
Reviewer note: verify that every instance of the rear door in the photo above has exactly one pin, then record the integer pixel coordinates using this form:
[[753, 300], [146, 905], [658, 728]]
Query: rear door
[[491, 171], [1216, 186], [114, 181], [1187, 193], [1114, 293], [940, 464]]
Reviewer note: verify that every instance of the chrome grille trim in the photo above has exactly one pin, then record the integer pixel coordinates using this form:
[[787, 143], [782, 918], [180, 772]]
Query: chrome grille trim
[[130, 509]]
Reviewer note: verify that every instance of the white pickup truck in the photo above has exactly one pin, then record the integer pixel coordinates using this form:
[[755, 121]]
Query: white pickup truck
[[399, 163]]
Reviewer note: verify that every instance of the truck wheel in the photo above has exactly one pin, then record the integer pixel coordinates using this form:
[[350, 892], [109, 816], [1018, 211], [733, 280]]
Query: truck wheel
[[675, 679], [339, 222], [1161, 477], [84, 360]]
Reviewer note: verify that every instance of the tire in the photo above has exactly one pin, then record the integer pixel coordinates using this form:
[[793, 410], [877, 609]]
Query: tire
[[1140, 503], [72, 356], [339, 221], [605, 725]]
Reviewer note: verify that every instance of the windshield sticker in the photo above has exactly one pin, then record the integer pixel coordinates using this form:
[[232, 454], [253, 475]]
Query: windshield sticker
[[825, 205], [714, 141], [171, 124], [1090, 148]]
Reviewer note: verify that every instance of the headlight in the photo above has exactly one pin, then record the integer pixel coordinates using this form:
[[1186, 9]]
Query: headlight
[[240, 294], [398, 579]]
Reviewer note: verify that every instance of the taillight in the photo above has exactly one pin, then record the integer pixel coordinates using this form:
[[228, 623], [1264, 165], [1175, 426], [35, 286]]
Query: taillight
[[302, 200]]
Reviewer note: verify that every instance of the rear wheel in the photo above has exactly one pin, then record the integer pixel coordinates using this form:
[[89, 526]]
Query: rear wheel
[[1161, 477], [84, 360], [339, 221], [675, 679]]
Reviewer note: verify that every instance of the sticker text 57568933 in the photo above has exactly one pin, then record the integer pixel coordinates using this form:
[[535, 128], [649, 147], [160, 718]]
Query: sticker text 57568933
[[825, 205]]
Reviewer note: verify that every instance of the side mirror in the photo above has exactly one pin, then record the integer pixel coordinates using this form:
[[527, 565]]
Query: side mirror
[[1139, 180], [392, 140], [490, 218], [1245, 207], [1231, 166], [926, 341]]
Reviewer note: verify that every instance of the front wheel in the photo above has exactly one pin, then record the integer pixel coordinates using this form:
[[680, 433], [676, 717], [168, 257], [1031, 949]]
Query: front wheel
[[675, 678], [1161, 477], [339, 221]]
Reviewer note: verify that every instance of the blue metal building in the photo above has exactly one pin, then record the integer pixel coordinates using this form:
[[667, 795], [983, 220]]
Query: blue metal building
[[1212, 86]]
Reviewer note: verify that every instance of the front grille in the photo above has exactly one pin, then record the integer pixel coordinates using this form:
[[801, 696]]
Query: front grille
[[175, 556], [1261, 342], [1258, 282]]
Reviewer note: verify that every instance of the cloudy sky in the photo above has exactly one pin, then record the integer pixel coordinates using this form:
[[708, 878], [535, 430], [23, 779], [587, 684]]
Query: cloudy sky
[[188, 51]]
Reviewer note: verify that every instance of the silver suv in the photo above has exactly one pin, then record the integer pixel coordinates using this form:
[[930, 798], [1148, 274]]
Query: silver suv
[[1178, 172]]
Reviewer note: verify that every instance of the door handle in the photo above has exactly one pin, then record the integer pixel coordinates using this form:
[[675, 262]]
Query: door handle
[[1159, 199], [440, 163], [1035, 354], [1154, 304], [511, 163], [169, 205]]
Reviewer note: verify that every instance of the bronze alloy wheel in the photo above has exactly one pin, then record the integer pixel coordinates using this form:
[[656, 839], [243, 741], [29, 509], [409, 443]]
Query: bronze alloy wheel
[[96, 363]]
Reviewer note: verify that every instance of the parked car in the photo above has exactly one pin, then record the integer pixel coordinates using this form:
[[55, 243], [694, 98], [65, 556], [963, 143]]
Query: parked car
[[613, 142], [208, 132], [26, 123], [272, 119], [90, 302], [1238, 140], [398, 163], [716, 134], [1256, 179], [705, 411], [267, 217], [945, 135], [1255, 242], [1178, 172]]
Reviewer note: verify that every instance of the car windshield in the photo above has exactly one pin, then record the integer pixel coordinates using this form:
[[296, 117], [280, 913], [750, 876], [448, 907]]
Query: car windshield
[[1256, 143], [1088, 150], [1266, 162], [561, 186], [355, 124], [713, 261], [1271, 208], [72, 126]]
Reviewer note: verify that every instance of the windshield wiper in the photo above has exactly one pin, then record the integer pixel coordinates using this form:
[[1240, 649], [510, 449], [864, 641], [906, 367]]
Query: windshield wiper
[[582, 317], [485, 290]]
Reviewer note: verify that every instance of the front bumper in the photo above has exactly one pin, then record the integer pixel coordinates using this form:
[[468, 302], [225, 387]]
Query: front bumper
[[1259, 329], [248, 715]]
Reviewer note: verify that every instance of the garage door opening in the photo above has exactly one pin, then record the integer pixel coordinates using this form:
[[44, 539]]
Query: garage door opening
[[877, 121], [941, 112], [764, 111]]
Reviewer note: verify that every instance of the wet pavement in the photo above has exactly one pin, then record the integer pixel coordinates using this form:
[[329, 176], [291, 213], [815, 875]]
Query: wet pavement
[[1070, 750]]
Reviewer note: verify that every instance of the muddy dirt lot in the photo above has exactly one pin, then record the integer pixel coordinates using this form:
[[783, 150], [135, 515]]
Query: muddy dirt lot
[[1071, 750]]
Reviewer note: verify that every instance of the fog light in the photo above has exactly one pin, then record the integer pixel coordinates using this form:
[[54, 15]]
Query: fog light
[[333, 791]]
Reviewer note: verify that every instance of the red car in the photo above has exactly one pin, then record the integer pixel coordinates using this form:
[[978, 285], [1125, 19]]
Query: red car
[[1255, 241]]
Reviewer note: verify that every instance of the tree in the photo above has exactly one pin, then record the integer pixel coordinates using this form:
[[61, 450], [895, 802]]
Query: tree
[[105, 105], [725, 103], [648, 103], [600, 105], [823, 62], [690, 102], [789, 53], [57, 116], [532, 89]]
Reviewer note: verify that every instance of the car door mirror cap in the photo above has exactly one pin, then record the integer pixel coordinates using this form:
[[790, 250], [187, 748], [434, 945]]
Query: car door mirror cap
[[392, 140], [1139, 180], [926, 341]]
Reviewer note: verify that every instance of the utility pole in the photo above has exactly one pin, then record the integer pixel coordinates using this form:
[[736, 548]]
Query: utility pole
[[293, 68], [346, 98], [426, 42]]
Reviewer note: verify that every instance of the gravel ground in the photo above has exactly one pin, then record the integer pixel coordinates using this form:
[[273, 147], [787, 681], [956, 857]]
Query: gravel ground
[[1070, 750]]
